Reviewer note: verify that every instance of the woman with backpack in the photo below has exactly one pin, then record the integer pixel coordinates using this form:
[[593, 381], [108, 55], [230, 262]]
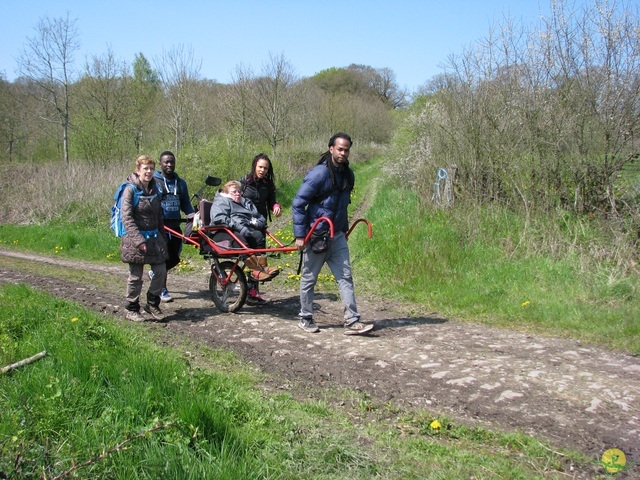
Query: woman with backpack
[[259, 187], [145, 241]]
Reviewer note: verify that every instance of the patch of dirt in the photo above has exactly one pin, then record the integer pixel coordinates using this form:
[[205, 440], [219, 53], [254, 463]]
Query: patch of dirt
[[575, 396]]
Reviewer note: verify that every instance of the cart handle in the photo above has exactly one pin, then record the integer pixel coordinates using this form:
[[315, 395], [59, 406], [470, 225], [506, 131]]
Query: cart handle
[[315, 224], [361, 220], [180, 235]]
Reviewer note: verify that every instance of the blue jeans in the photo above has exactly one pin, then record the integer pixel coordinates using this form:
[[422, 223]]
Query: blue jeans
[[337, 258]]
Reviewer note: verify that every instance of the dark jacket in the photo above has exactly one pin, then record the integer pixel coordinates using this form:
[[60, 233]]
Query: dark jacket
[[174, 195], [237, 216], [325, 192], [144, 224], [260, 191]]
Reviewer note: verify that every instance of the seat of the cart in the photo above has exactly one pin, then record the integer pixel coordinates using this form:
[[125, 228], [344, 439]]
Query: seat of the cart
[[230, 245], [207, 231]]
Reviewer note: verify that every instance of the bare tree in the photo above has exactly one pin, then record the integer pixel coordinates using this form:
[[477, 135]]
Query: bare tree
[[48, 61], [13, 123], [381, 83], [179, 73], [273, 100], [235, 103]]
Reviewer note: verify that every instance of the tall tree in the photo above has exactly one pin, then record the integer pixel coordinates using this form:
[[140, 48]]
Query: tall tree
[[179, 73], [381, 83], [235, 103], [145, 87], [12, 123], [274, 100], [48, 60], [103, 109]]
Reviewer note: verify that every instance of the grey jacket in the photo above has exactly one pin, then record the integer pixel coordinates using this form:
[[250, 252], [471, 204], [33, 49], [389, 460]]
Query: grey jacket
[[240, 217]]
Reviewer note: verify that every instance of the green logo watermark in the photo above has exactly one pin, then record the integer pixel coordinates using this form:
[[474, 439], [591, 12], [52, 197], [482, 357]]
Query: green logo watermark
[[614, 461]]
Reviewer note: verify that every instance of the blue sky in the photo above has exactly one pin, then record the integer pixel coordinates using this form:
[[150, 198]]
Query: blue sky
[[411, 37]]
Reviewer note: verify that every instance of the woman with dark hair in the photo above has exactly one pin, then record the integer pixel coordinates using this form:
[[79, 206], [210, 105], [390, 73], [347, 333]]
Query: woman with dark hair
[[259, 187]]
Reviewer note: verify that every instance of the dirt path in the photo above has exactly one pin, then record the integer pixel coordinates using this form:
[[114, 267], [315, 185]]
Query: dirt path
[[573, 395]]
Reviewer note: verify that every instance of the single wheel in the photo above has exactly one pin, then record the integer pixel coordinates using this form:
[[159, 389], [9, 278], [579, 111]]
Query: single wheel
[[230, 293]]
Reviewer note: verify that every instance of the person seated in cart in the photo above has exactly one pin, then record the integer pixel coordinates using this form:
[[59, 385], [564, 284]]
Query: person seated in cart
[[239, 214]]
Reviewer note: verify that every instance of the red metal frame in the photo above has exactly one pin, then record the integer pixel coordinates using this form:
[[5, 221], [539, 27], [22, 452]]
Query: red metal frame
[[201, 235], [201, 238]]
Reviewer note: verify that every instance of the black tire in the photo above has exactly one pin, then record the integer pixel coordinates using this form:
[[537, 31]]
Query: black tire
[[231, 297]]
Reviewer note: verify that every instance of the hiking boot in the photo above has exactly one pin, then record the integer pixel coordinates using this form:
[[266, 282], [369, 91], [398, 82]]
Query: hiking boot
[[260, 271], [164, 296], [308, 326], [254, 297], [134, 316], [356, 328], [271, 271], [154, 311], [265, 275]]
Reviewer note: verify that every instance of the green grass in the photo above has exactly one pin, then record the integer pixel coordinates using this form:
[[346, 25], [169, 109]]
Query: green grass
[[109, 402], [472, 265], [96, 243]]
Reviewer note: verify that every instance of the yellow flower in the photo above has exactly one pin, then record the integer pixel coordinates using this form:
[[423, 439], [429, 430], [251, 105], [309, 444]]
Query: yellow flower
[[435, 425], [526, 304], [74, 319]]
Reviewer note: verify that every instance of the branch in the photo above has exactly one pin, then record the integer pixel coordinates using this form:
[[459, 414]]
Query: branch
[[102, 456], [21, 363]]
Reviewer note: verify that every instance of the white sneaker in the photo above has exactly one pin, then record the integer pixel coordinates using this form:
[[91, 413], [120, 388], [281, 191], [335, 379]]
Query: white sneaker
[[151, 274], [308, 325], [357, 328], [164, 296]]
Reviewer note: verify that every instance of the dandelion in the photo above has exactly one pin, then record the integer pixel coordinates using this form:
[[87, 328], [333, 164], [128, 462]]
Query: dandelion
[[74, 319], [435, 425], [525, 304]]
